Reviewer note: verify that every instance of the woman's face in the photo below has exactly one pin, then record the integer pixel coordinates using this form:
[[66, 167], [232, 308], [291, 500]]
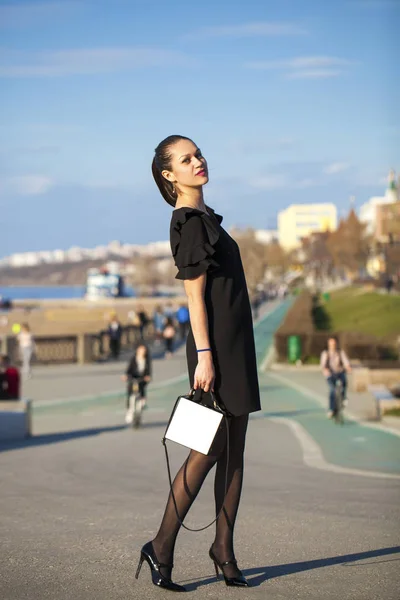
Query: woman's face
[[188, 166], [141, 351]]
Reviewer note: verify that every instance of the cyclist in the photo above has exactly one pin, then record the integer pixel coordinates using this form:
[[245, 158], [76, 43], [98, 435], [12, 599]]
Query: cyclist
[[139, 372], [335, 365]]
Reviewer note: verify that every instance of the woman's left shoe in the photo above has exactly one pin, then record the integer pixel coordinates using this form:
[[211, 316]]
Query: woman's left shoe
[[238, 581]]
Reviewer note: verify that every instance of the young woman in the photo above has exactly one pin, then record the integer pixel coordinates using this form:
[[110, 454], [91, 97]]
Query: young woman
[[220, 353]]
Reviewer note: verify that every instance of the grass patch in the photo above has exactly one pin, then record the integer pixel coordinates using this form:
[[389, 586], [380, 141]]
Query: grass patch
[[393, 412], [352, 309]]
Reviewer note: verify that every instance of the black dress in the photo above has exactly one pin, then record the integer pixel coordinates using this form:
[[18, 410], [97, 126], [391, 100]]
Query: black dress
[[200, 244]]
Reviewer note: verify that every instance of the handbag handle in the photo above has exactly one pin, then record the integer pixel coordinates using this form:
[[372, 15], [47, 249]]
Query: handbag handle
[[164, 442], [216, 406]]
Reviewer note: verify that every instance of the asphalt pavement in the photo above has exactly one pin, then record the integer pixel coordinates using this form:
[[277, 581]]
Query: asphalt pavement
[[319, 518]]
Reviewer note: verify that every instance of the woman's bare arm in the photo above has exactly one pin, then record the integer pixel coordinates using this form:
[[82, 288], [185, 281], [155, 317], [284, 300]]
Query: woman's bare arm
[[204, 374]]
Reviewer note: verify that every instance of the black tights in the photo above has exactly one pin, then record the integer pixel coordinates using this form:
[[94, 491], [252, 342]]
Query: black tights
[[186, 486]]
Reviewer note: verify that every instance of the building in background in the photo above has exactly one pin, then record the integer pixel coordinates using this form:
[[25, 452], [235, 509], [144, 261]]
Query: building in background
[[382, 218], [298, 221], [369, 211], [264, 236]]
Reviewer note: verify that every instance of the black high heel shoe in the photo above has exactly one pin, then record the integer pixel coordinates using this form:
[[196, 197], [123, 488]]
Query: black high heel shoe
[[147, 554], [239, 581]]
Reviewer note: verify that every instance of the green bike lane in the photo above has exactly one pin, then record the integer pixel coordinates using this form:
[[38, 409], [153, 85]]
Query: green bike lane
[[353, 446]]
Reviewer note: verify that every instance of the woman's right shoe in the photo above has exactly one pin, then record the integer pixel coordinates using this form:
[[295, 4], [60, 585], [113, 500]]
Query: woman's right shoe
[[147, 554], [238, 581]]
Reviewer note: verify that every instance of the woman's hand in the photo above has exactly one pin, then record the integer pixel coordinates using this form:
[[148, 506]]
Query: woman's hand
[[147, 378], [204, 374]]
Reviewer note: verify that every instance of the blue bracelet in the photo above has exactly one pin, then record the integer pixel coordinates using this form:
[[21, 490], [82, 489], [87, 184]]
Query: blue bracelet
[[205, 350]]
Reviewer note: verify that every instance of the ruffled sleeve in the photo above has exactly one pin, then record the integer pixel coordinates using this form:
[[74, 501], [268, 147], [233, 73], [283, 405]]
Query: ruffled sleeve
[[193, 240]]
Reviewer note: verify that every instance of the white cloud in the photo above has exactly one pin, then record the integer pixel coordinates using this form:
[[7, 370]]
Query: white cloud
[[257, 29], [314, 74], [305, 67], [27, 14], [88, 61], [335, 168], [25, 185], [301, 62]]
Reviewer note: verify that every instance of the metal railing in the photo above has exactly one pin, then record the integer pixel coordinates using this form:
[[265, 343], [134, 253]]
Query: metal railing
[[81, 348]]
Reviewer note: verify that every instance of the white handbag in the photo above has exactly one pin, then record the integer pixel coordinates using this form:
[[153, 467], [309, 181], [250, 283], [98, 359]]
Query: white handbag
[[195, 426]]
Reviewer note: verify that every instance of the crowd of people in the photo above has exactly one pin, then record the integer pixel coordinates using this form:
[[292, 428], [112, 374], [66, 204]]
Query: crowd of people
[[169, 325]]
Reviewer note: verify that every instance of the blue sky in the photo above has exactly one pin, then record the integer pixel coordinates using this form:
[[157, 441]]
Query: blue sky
[[291, 101]]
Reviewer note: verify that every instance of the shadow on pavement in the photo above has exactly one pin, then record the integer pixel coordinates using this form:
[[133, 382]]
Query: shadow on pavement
[[66, 436], [262, 574], [55, 438]]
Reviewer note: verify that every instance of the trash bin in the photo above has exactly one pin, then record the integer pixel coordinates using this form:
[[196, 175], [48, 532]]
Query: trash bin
[[326, 296], [294, 348]]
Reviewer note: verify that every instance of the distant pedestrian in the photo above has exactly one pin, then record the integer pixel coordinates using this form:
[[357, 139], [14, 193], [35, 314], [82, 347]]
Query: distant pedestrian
[[389, 284], [138, 371], [159, 323], [115, 333], [183, 318], [169, 310], [26, 345], [3, 384], [169, 336], [11, 382], [143, 321], [255, 305]]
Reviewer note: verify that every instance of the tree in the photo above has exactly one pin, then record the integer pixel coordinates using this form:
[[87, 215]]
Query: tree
[[349, 245], [253, 257], [277, 259], [317, 257]]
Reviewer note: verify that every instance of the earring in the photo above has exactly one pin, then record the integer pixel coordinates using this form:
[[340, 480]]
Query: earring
[[173, 189]]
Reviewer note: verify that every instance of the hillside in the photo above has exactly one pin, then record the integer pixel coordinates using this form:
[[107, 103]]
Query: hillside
[[52, 274]]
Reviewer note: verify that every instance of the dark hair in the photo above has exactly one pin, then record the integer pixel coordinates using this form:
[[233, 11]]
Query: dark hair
[[162, 162], [140, 345]]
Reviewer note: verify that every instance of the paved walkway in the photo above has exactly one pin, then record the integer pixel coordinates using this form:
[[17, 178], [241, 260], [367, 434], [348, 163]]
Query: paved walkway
[[297, 398], [54, 383], [319, 516]]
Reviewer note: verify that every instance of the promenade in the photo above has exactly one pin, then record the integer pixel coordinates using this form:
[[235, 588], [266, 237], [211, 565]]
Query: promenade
[[319, 515]]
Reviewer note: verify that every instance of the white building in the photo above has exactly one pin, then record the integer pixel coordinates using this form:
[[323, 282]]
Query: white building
[[25, 259], [266, 236], [368, 210], [300, 220]]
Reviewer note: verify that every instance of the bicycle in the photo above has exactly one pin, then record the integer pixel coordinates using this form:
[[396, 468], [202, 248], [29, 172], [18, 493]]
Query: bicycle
[[339, 402], [135, 406]]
